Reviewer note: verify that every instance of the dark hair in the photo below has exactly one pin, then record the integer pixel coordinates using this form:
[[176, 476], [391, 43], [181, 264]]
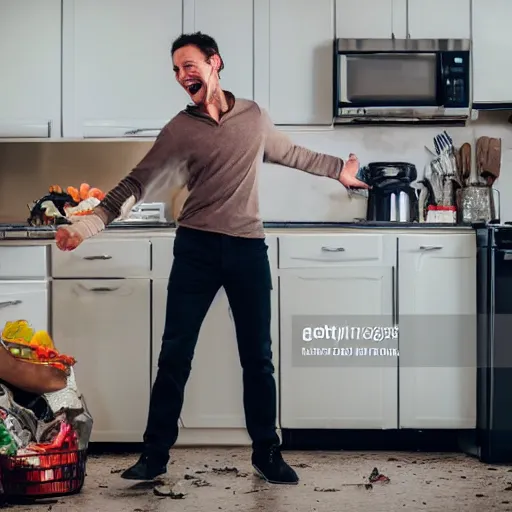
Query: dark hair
[[205, 43]]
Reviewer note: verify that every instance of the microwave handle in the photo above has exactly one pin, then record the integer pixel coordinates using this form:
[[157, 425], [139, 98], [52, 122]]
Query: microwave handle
[[441, 89]]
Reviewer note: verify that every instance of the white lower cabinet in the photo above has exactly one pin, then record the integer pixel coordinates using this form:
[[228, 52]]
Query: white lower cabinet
[[105, 324], [437, 318], [24, 300], [213, 394], [335, 392], [423, 281]]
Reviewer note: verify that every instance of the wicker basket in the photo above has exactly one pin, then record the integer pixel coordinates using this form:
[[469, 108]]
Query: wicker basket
[[44, 475]]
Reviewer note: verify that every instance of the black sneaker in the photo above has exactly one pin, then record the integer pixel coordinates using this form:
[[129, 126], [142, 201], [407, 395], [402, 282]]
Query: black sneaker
[[271, 467], [146, 468]]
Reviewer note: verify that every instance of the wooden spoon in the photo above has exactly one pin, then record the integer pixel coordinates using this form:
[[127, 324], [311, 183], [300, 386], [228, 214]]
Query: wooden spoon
[[465, 158]]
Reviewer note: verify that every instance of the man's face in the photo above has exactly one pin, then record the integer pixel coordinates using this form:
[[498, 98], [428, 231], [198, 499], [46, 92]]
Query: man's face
[[197, 76]]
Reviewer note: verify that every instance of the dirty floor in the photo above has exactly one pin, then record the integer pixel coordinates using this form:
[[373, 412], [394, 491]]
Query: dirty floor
[[222, 479]]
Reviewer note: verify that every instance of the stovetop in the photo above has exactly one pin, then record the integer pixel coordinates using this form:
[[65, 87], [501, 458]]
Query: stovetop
[[21, 230], [15, 231]]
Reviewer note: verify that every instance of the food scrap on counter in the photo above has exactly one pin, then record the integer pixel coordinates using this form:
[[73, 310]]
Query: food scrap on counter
[[59, 205], [43, 436]]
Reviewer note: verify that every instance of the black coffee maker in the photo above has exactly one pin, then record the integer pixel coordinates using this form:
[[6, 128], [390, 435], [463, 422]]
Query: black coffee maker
[[391, 197]]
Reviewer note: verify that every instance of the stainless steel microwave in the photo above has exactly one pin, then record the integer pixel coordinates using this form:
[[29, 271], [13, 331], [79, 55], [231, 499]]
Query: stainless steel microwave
[[397, 80]]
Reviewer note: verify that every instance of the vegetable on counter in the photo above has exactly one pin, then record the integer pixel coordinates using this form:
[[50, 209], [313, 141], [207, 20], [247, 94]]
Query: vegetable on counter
[[57, 206]]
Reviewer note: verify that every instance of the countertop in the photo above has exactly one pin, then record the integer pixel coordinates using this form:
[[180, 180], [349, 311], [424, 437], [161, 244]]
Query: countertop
[[134, 230]]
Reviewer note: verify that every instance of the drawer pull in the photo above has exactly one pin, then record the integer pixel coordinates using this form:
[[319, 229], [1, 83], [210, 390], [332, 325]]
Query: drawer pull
[[333, 249], [8, 303], [104, 257], [430, 247], [103, 289]]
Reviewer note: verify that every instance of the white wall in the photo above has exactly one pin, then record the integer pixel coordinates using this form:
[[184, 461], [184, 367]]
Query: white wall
[[291, 195]]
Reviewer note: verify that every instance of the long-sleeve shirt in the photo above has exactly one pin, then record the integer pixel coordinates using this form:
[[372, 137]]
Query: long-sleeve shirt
[[219, 164]]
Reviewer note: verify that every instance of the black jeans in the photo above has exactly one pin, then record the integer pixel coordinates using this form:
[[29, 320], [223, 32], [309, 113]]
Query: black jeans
[[204, 262]]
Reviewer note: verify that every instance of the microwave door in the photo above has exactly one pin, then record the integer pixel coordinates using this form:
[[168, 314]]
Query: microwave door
[[389, 80], [389, 87]]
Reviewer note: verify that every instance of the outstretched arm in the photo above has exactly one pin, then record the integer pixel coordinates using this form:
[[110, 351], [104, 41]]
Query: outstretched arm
[[279, 149], [124, 195], [133, 187]]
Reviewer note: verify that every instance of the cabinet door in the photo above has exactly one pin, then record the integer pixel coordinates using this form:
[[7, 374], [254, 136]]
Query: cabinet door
[[437, 318], [491, 51], [30, 45], [24, 300], [371, 19], [439, 19], [294, 75], [117, 68], [335, 392], [105, 325], [234, 35], [213, 395]]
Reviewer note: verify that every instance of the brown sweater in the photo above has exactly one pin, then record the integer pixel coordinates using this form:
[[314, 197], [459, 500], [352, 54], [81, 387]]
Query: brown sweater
[[219, 164]]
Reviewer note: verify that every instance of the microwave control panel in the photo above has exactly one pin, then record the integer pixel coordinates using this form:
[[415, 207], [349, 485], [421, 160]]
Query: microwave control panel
[[455, 79]]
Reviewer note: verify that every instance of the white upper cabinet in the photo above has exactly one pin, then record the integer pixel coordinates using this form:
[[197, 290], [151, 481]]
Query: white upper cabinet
[[118, 77], [417, 19], [439, 19], [492, 46], [30, 45], [371, 19], [234, 35], [294, 60]]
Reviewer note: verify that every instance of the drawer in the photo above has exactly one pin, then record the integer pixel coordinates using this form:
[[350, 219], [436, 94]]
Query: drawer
[[23, 262], [338, 250], [446, 245], [103, 258]]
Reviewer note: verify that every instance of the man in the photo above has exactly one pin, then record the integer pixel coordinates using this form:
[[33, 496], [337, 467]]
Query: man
[[215, 145]]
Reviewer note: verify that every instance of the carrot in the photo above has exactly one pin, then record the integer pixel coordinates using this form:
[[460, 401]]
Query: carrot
[[97, 193], [73, 192], [84, 191]]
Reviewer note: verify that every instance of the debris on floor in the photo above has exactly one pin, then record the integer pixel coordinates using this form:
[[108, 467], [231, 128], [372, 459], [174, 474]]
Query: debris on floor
[[207, 479], [175, 492], [376, 477]]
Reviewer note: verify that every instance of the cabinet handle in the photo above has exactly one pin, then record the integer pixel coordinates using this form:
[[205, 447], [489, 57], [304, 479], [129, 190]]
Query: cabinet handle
[[141, 130], [8, 303], [333, 249], [430, 247], [103, 289], [104, 257]]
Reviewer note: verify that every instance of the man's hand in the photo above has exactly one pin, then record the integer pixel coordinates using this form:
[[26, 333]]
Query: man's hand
[[70, 237], [348, 173], [67, 239]]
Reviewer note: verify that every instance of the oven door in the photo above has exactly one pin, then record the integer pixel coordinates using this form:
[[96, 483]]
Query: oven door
[[387, 80]]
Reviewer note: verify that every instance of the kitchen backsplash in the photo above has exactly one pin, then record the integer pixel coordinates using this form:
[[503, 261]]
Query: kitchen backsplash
[[27, 169]]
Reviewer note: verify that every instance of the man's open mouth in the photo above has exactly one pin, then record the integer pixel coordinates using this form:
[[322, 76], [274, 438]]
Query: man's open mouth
[[194, 87]]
